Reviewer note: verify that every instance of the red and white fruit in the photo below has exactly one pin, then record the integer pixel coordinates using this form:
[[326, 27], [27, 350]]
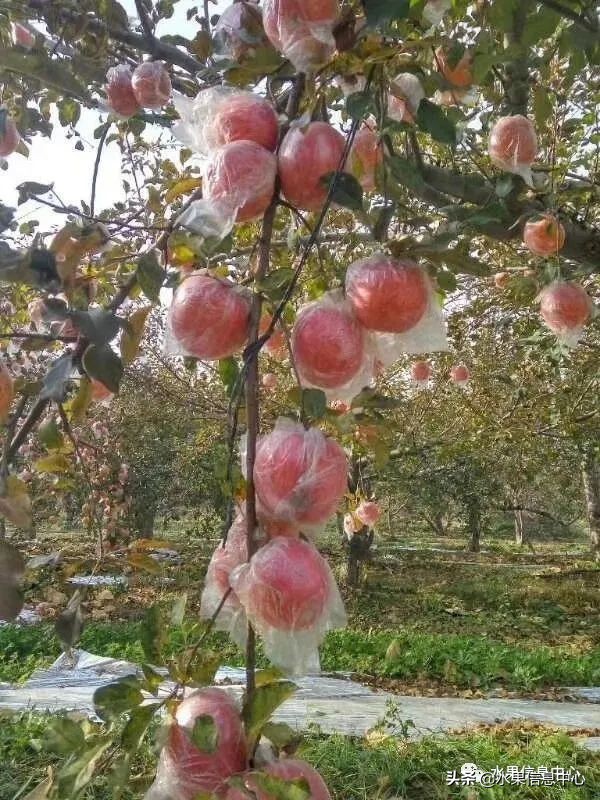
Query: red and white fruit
[[300, 475], [244, 115], [328, 344], [195, 770], [119, 91], [286, 585], [387, 294], [406, 93], [421, 371], [151, 84], [100, 392], [565, 308], [302, 30], [544, 237], [7, 391], [368, 512], [513, 144], [306, 156], [270, 381], [460, 375], [239, 30], [276, 345], [241, 176], [209, 317], [287, 769], [9, 134], [366, 155]]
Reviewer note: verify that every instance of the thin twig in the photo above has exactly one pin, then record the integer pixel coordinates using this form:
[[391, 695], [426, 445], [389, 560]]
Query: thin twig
[[103, 136]]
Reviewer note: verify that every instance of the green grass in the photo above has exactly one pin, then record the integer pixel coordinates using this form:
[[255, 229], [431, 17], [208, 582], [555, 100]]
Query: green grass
[[374, 769], [458, 661]]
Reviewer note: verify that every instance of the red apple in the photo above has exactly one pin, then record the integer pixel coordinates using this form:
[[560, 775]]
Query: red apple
[[544, 237], [513, 144], [7, 391], [387, 294], [366, 155], [565, 307], [306, 156], [239, 30], [209, 317], [9, 135], [243, 115], [420, 371], [328, 344], [302, 30], [198, 771]]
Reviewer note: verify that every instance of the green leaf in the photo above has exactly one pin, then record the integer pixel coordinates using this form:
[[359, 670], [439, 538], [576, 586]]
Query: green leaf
[[542, 105], [539, 26], [50, 73], [97, 325], [259, 707], [31, 188], [383, 12], [150, 275], [279, 789], [229, 372], [58, 378], [153, 678], [137, 725], [178, 610], [504, 186], [315, 403], [63, 736], [275, 283], [204, 734], [133, 334], [432, 120], [76, 775], [81, 402], [104, 365], [405, 172], [42, 790], [281, 735], [69, 111], [347, 191], [50, 436], [446, 281], [153, 635], [359, 105], [117, 698]]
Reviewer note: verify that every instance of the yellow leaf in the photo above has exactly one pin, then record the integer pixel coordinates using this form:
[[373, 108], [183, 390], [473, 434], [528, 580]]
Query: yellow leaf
[[79, 405], [54, 463], [184, 186], [149, 544], [133, 333], [15, 505], [144, 562]]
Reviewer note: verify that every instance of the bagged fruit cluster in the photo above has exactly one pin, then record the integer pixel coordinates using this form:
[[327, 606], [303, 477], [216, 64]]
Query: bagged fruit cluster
[[286, 590], [186, 770]]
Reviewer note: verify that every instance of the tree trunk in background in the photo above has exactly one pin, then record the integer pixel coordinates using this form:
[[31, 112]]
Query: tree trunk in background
[[145, 518], [590, 472], [474, 527], [519, 527]]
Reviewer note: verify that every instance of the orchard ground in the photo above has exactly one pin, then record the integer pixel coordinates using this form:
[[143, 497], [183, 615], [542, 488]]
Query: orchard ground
[[508, 621]]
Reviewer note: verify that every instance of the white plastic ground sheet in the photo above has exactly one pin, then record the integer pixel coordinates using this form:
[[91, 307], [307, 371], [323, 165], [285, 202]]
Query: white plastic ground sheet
[[333, 703]]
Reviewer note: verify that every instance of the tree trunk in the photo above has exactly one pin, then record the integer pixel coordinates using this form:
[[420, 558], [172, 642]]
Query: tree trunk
[[474, 527], [354, 569], [591, 488], [145, 518], [519, 527]]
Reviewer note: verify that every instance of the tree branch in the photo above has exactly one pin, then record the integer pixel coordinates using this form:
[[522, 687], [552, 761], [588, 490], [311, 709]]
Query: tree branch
[[579, 19]]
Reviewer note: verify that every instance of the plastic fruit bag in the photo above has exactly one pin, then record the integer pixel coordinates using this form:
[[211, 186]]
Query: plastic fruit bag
[[290, 596], [300, 475], [220, 115], [565, 308], [241, 176], [513, 146], [302, 30]]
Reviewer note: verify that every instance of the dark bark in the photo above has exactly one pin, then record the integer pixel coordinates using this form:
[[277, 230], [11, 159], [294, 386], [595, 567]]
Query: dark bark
[[474, 527], [590, 471]]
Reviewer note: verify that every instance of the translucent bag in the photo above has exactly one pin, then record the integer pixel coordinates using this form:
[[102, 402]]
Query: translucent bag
[[302, 30], [332, 351]]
